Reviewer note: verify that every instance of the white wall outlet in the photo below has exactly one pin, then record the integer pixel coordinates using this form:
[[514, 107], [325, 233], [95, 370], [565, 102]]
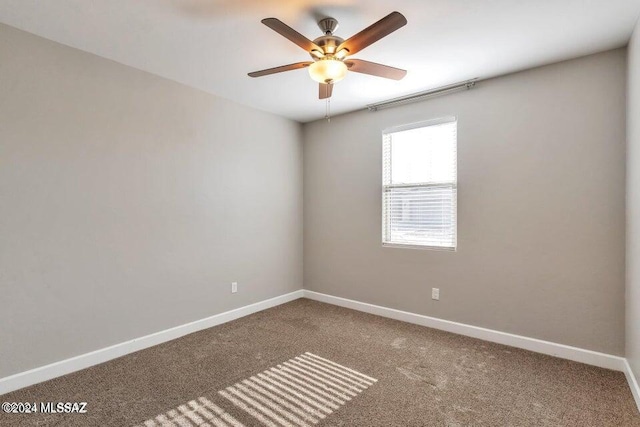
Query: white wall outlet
[[234, 287], [435, 294]]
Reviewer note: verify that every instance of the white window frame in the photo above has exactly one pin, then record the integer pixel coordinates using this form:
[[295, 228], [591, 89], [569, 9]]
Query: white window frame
[[386, 187]]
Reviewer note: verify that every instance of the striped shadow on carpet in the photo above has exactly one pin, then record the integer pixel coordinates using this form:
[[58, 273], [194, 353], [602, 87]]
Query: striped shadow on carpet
[[297, 393]]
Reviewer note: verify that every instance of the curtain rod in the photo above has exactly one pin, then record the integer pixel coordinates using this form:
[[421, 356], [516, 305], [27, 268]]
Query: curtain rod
[[443, 90]]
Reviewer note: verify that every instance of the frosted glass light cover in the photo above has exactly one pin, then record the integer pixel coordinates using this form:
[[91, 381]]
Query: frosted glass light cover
[[328, 70]]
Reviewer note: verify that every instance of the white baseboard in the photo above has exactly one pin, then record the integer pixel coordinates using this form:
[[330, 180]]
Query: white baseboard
[[57, 369], [589, 357], [633, 384]]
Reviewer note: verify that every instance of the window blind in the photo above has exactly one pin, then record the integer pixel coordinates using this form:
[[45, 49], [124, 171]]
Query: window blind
[[419, 196]]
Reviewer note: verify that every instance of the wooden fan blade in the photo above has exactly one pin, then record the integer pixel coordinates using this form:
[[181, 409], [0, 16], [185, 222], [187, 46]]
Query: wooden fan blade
[[373, 33], [374, 69], [283, 29], [280, 69], [325, 90]]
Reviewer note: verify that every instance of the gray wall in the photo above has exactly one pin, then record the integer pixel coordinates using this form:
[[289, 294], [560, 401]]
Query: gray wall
[[128, 203], [541, 220], [633, 204]]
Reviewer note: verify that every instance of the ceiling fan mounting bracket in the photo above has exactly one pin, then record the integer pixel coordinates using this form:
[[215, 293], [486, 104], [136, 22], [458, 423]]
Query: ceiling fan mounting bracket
[[328, 25]]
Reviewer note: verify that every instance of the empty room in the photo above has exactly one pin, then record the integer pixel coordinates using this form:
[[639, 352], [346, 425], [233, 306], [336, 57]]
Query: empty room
[[238, 213]]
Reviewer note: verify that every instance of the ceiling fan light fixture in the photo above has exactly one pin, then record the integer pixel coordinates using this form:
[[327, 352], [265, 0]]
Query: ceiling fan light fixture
[[329, 70], [317, 54], [342, 53]]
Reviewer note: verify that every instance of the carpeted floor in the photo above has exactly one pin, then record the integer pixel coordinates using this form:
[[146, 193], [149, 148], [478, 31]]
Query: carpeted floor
[[308, 363]]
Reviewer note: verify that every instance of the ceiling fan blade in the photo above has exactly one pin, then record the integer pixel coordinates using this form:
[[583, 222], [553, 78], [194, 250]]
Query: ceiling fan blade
[[280, 69], [283, 29], [373, 33], [374, 69], [325, 90]]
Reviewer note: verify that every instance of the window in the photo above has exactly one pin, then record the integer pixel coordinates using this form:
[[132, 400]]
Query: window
[[419, 180]]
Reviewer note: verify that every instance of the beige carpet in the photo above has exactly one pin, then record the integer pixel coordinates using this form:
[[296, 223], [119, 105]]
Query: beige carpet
[[307, 363]]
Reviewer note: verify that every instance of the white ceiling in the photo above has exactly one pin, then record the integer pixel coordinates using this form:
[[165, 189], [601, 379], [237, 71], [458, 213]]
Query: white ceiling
[[212, 44]]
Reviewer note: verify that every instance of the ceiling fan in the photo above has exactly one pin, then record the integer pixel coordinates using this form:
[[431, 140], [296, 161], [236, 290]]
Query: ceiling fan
[[330, 53]]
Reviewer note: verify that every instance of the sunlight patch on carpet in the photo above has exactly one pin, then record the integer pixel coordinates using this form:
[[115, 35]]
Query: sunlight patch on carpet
[[297, 393], [201, 412]]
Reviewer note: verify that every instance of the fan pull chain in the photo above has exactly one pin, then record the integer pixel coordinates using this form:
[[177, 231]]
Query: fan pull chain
[[327, 114]]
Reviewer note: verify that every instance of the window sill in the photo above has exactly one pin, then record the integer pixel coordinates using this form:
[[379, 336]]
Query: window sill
[[419, 247]]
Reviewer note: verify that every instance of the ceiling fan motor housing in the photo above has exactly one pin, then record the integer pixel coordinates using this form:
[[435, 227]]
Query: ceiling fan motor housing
[[328, 43]]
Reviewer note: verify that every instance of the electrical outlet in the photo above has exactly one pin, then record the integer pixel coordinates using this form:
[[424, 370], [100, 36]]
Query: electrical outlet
[[234, 287], [435, 294]]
